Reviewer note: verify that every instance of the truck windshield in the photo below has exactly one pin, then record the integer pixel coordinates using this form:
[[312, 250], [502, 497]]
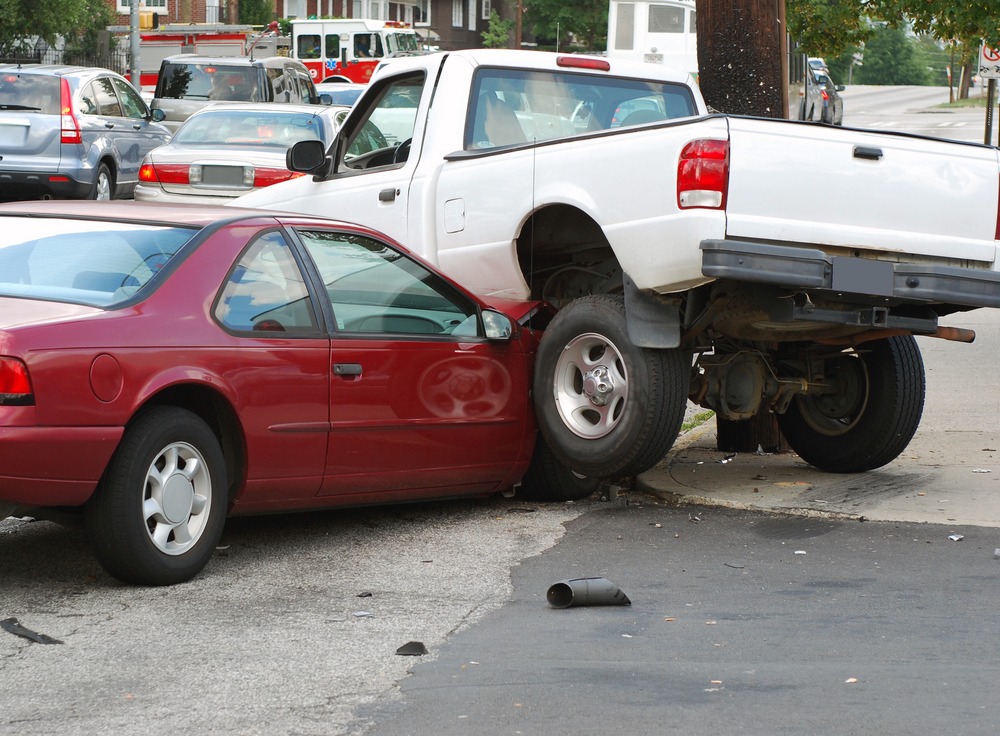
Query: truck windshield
[[512, 106]]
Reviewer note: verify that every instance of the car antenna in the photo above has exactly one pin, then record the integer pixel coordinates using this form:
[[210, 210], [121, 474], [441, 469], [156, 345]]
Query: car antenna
[[272, 27]]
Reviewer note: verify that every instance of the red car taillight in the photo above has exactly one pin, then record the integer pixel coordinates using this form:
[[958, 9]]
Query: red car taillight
[[703, 175], [15, 384], [164, 173], [267, 177], [70, 125]]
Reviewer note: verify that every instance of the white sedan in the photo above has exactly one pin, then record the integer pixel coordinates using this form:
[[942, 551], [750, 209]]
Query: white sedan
[[226, 150]]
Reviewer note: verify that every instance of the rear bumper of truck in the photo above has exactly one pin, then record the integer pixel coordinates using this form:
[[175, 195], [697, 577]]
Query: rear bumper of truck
[[813, 270]]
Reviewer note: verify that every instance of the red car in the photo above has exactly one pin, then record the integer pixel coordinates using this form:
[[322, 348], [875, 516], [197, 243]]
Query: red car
[[164, 366]]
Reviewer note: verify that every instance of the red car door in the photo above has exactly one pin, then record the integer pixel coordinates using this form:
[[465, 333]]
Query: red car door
[[421, 403]]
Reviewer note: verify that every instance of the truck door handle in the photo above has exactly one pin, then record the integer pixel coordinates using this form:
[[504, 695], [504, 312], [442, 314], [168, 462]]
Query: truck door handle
[[347, 369], [868, 154], [387, 195], [109, 125]]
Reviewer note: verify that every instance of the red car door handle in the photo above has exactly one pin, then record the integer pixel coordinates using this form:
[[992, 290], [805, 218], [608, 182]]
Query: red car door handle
[[347, 369]]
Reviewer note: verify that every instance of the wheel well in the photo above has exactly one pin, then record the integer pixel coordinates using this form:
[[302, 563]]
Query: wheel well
[[564, 254], [220, 416], [336, 78], [110, 163]]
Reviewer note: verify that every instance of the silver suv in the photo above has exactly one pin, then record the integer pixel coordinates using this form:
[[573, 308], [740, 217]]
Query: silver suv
[[71, 132], [188, 83]]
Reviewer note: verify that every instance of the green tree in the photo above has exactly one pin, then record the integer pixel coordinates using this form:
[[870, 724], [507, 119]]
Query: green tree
[[825, 27], [969, 20], [586, 20], [497, 35], [892, 57], [829, 27], [48, 19], [256, 12]]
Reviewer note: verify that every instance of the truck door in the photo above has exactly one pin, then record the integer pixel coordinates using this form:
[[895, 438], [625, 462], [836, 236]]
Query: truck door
[[375, 158]]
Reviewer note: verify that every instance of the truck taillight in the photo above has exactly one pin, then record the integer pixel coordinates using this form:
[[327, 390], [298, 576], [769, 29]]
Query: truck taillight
[[15, 385], [703, 174], [70, 132]]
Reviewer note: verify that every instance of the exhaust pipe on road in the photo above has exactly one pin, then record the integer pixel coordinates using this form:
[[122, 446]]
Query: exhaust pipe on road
[[586, 592]]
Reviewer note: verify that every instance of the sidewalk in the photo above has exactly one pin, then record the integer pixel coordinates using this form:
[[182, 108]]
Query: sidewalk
[[926, 484]]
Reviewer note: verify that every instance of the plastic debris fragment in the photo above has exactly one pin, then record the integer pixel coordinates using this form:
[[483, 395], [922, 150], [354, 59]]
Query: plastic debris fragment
[[412, 649], [12, 626]]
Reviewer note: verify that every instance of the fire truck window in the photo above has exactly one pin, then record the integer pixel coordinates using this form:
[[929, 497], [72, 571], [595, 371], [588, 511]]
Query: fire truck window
[[368, 46], [309, 47], [333, 46]]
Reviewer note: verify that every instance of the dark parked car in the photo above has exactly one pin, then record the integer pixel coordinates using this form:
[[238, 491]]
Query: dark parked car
[[187, 83], [163, 366], [822, 100], [71, 132]]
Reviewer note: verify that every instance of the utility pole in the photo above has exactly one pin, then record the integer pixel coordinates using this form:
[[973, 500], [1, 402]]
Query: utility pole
[[519, 24], [741, 58], [743, 70], [134, 53]]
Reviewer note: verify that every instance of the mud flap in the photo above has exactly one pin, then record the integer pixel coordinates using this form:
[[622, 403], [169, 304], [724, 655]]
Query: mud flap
[[653, 322]]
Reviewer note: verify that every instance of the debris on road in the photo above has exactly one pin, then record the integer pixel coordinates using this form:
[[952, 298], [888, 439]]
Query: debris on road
[[956, 537], [12, 626], [412, 649], [586, 592], [982, 470]]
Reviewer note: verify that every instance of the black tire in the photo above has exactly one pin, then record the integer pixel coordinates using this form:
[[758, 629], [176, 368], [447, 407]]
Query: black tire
[[644, 391], [873, 416], [142, 536], [548, 479], [104, 184]]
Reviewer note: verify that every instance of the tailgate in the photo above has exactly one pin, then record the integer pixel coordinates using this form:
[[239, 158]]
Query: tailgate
[[829, 186]]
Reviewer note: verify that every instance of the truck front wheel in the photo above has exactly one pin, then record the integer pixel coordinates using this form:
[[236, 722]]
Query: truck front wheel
[[870, 416], [606, 408]]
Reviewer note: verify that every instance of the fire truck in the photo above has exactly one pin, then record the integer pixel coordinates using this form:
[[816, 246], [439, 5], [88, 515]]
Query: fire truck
[[349, 49], [205, 39]]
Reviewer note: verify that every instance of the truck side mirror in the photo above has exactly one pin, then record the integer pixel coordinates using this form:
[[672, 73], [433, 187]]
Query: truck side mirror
[[305, 156]]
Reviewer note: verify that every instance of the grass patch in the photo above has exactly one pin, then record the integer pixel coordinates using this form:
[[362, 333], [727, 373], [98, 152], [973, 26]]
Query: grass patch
[[960, 104], [697, 420]]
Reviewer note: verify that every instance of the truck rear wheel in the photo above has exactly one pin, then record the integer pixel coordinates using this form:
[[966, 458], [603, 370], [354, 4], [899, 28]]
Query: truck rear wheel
[[605, 407], [870, 418]]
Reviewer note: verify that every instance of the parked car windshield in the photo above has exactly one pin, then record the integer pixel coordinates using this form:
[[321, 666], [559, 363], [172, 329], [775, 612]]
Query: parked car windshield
[[30, 93], [95, 263], [183, 81], [249, 128]]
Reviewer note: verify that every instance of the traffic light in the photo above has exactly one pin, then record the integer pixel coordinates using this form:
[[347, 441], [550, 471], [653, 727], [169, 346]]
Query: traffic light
[[148, 20]]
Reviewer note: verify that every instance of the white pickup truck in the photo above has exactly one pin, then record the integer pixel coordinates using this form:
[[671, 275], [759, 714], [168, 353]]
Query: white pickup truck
[[750, 264]]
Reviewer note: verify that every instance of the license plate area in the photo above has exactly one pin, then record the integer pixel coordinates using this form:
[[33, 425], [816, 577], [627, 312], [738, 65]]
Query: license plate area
[[862, 276], [230, 177]]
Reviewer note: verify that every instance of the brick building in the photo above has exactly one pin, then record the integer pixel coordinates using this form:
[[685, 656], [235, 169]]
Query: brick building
[[446, 24]]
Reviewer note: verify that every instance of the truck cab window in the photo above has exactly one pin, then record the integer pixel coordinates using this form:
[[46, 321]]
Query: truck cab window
[[383, 135]]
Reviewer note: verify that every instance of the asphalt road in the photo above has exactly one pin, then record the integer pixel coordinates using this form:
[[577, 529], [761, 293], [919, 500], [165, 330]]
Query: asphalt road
[[915, 110], [739, 623]]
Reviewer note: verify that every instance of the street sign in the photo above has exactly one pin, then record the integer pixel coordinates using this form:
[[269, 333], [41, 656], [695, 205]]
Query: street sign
[[989, 62]]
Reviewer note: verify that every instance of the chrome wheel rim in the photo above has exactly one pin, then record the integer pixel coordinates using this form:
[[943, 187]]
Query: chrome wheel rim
[[177, 499], [590, 386], [103, 188]]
